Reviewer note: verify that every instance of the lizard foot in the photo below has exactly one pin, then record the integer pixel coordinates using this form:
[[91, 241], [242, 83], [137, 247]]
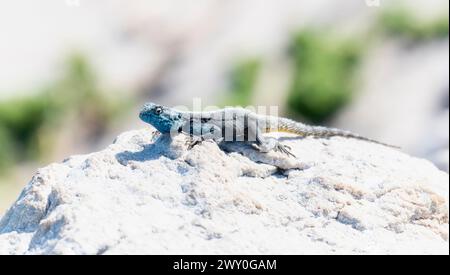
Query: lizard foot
[[155, 135], [274, 145], [284, 149], [193, 142]]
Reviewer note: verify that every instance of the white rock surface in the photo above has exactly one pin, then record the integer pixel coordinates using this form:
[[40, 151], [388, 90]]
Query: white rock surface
[[148, 194]]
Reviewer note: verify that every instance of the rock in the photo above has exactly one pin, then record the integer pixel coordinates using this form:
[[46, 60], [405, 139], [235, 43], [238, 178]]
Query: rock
[[147, 194]]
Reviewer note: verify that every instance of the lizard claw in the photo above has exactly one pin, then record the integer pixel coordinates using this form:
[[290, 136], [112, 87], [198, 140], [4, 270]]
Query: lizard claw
[[285, 150], [192, 143], [155, 134]]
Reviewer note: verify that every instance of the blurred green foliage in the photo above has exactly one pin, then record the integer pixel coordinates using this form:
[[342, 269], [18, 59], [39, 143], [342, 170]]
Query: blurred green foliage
[[325, 66], [399, 22], [20, 121], [243, 78], [29, 124], [323, 74], [5, 148]]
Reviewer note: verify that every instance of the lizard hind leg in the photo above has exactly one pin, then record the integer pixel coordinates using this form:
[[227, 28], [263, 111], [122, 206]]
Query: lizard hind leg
[[272, 144]]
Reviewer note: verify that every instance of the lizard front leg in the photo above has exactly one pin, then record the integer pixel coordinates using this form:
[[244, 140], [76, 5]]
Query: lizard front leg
[[192, 142], [203, 131]]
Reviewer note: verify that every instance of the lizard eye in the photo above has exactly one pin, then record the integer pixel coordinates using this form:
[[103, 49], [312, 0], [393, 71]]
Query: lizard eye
[[158, 110]]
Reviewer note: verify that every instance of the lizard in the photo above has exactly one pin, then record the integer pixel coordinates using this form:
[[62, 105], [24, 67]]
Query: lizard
[[236, 124]]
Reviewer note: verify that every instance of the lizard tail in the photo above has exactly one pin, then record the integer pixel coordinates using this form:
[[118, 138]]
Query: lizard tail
[[290, 126]]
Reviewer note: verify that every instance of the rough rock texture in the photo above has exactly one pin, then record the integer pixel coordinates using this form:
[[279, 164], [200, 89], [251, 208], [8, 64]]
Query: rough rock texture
[[147, 194]]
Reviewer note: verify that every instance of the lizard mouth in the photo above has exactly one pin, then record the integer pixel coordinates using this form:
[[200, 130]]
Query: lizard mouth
[[143, 115]]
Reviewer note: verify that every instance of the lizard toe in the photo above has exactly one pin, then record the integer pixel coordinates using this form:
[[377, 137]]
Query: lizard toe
[[191, 144], [285, 150]]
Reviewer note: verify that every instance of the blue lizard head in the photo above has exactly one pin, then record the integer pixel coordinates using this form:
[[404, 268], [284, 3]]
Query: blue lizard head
[[162, 118]]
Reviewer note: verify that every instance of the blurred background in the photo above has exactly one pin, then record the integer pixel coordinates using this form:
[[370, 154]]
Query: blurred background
[[74, 73]]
